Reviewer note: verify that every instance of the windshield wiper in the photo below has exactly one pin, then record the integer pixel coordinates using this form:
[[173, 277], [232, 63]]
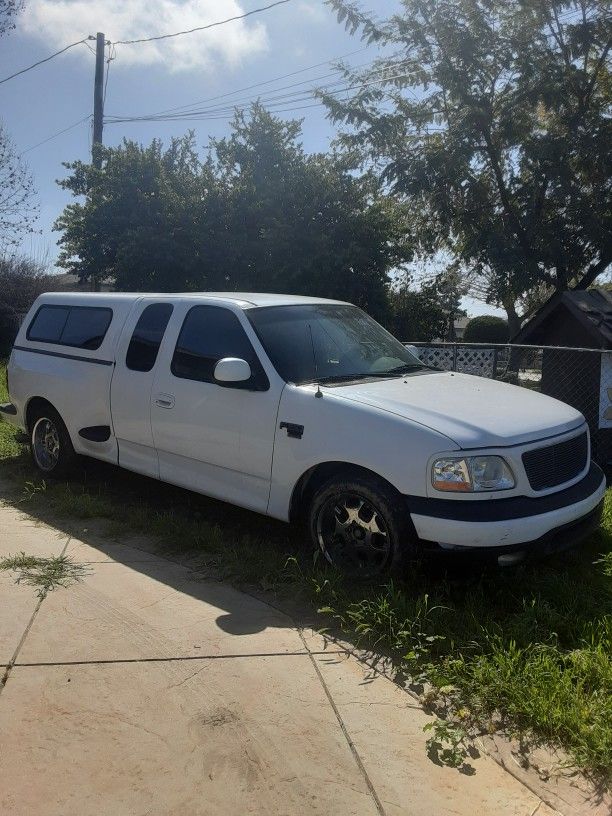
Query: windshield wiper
[[341, 377], [399, 370]]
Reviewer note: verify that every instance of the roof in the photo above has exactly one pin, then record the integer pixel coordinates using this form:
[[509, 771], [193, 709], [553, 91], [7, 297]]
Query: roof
[[244, 300], [262, 298], [590, 307]]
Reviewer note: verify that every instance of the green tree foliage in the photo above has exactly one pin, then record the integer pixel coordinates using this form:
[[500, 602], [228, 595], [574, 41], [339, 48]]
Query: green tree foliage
[[418, 315], [257, 214], [486, 329], [492, 119]]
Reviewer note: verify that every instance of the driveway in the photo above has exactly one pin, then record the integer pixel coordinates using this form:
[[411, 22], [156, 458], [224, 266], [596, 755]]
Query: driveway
[[142, 690]]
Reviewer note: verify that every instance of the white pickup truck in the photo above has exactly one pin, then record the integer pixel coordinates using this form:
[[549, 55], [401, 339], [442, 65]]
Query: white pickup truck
[[302, 408]]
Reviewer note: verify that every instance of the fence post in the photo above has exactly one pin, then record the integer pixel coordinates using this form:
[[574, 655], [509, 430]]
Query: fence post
[[495, 355], [454, 356]]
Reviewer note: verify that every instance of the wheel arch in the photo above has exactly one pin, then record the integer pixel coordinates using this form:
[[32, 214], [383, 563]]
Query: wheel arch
[[317, 475], [33, 408]]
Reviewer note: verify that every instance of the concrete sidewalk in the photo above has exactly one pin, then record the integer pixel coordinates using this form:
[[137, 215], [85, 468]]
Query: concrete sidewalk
[[141, 691]]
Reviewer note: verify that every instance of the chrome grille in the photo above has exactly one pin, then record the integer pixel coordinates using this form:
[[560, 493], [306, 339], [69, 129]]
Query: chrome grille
[[555, 464]]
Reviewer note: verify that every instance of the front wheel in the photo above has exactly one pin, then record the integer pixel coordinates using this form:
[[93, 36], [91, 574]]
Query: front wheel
[[359, 526], [50, 444]]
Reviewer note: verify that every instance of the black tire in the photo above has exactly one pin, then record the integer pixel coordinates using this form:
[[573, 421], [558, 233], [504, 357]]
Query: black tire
[[343, 519], [50, 444]]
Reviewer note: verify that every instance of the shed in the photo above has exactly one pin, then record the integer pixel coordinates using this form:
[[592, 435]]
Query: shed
[[567, 323]]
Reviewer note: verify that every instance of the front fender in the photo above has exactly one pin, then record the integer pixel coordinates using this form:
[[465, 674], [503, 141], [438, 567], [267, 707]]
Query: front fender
[[337, 430]]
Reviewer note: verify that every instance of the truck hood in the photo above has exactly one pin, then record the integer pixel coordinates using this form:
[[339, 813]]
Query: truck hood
[[474, 412]]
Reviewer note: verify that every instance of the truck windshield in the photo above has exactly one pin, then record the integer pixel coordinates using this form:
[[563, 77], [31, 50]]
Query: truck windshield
[[326, 342]]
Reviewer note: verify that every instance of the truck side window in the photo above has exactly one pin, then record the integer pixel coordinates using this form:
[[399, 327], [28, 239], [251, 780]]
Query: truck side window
[[48, 324], [210, 333], [148, 334], [78, 326]]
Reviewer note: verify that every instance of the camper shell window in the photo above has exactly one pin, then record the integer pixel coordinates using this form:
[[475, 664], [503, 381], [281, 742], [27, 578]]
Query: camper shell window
[[77, 326]]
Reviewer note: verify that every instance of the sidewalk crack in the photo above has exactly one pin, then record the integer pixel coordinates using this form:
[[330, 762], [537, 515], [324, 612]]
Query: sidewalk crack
[[13, 660], [344, 729]]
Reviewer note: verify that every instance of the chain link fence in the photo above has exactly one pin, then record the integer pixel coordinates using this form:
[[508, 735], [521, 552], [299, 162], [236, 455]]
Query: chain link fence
[[581, 377]]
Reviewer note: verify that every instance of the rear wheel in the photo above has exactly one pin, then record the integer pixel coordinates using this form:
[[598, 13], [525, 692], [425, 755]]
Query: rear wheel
[[50, 444], [358, 524]]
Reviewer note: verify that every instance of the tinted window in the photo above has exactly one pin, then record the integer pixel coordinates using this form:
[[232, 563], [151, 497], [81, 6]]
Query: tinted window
[[79, 326], [48, 324], [210, 333], [147, 337]]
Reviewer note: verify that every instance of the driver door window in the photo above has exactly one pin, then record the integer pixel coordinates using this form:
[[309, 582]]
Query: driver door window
[[210, 333]]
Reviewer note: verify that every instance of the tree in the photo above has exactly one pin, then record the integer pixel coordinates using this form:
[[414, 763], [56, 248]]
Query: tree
[[147, 219], [305, 224], [417, 315], [17, 199], [257, 214], [486, 329], [9, 9], [492, 119], [16, 189]]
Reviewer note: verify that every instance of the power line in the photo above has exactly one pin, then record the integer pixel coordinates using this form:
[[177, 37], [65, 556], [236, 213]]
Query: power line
[[301, 95], [204, 27], [266, 82], [54, 135], [273, 102], [40, 62], [111, 56]]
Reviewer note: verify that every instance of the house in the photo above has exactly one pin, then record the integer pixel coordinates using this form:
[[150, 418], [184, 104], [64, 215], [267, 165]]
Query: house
[[459, 327]]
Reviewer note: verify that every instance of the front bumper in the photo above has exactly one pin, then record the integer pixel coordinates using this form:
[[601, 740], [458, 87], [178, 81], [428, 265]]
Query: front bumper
[[506, 524]]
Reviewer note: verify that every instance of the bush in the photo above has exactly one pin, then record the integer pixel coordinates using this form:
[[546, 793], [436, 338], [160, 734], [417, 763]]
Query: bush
[[487, 329], [9, 326], [22, 280]]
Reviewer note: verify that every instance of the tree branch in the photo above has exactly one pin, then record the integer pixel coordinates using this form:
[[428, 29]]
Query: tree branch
[[594, 271]]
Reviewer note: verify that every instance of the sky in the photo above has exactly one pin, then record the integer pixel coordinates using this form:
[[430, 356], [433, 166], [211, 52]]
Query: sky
[[150, 77]]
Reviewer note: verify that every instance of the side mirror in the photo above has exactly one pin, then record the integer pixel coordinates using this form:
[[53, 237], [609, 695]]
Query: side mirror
[[232, 370]]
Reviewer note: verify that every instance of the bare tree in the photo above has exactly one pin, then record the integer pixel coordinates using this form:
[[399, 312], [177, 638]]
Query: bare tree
[[18, 205], [9, 9], [22, 280]]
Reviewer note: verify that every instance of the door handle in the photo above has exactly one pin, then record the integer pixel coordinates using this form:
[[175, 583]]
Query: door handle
[[165, 400]]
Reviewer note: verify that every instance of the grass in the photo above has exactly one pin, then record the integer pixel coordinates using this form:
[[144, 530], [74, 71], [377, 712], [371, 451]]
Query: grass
[[527, 650], [46, 574]]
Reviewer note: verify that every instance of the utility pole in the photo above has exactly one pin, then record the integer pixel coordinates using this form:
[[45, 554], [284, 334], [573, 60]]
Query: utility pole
[[98, 102], [98, 118]]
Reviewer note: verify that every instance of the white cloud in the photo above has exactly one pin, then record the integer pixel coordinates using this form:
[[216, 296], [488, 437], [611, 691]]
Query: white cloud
[[315, 12], [60, 22]]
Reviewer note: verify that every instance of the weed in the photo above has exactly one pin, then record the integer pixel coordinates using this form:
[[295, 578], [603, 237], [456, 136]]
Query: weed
[[448, 743], [46, 574]]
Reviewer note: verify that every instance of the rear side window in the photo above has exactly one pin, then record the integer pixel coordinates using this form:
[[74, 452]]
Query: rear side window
[[210, 333], [48, 324], [78, 326], [147, 337]]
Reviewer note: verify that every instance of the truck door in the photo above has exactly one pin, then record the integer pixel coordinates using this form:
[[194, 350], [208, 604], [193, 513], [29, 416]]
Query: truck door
[[132, 384], [213, 438]]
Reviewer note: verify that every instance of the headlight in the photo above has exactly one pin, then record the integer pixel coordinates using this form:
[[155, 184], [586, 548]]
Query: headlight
[[472, 474]]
